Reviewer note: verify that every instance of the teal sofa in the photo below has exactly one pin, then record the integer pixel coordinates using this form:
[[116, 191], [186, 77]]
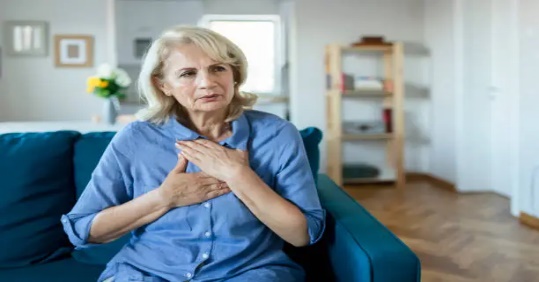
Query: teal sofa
[[42, 174]]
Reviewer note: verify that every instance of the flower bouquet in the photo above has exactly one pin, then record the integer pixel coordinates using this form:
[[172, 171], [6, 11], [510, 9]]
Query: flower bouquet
[[109, 83]]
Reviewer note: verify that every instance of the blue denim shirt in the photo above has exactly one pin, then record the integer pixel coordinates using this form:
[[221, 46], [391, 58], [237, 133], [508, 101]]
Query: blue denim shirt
[[216, 240]]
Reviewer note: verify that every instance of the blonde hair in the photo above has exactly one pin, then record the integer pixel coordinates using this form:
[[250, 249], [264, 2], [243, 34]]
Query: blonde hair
[[161, 107]]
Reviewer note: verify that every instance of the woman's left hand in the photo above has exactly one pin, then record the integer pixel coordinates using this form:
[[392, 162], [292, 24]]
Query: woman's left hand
[[216, 160]]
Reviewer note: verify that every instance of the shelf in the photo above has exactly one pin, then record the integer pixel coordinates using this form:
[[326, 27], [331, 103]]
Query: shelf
[[372, 48], [271, 99], [387, 175], [355, 137], [366, 93]]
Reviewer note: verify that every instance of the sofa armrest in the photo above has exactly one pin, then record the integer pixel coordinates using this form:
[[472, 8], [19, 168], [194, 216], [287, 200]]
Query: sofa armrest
[[360, 248]]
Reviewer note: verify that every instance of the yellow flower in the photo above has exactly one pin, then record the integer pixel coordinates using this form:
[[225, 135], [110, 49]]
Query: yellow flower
[[93, 81], [104, 84], [90, 89]]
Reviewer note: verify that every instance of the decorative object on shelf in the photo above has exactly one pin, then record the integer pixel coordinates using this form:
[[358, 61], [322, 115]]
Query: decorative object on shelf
[[360, 171], [364, 127], [388, 119], [74, 50], [109, 83], [388, 85], [346, 82], [26, 38], [368, 82], [372, 41]]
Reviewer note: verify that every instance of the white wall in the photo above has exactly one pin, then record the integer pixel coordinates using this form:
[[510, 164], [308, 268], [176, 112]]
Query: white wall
[[32, 88], [439, 39], [241, 7], [320, 22], [147, 19]]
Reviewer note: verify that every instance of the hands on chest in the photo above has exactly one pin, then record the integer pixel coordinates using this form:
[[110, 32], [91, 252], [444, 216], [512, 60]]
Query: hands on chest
[[218, 164], [183, 189], [218, 161]]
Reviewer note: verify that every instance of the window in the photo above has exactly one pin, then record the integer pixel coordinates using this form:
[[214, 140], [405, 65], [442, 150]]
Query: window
[[259, 38]]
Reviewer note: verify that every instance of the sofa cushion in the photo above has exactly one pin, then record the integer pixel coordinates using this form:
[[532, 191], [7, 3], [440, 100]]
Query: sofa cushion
[[311, 139], [37, 188], [88, 151], [66, 270]]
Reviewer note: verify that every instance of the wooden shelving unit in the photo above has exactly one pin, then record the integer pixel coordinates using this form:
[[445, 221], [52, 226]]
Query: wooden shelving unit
[[392, 56]]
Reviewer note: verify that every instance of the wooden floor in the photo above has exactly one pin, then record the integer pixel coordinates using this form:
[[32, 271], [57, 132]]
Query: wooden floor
[[458, 237]]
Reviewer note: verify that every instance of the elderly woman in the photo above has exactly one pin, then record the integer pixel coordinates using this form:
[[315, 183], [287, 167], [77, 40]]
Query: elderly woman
[[210, 191]]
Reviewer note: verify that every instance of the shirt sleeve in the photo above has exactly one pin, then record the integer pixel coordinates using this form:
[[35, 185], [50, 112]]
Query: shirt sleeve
[[295, 181], [107, 187]]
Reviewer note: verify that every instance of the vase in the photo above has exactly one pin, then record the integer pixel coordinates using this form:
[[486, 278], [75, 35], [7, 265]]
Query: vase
[[111, 107]]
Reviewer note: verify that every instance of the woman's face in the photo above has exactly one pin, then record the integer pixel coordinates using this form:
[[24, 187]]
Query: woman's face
[[198, 83]]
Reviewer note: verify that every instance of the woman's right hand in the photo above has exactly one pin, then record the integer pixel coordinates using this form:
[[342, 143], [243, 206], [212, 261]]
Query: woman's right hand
[[183, 189]]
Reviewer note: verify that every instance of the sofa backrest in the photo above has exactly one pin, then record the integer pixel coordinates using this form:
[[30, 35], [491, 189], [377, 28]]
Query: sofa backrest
[[36, 183], [42, 175]]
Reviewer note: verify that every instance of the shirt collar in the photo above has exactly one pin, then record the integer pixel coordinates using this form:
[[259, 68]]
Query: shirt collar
[[238, 139]]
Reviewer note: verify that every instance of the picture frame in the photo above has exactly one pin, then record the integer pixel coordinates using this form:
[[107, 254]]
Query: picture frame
[[140, 45], [73, 50], [26, 38]]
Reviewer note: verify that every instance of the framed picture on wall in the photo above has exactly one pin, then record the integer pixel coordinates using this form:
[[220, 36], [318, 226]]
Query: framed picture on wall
[[26, 38], [140, 45], [74, 50]]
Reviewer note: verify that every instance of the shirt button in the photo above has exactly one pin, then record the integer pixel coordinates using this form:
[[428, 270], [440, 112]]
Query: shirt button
[[207, 205], [207, 234], [205, 255], [188, 275]]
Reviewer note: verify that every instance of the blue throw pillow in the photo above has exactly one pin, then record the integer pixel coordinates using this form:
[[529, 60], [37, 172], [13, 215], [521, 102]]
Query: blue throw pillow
[[88, 151], [37, 187]]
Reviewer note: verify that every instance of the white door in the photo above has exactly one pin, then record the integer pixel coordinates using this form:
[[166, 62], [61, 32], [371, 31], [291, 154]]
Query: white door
[[487, 105], [475, 156], [529, 99], [503, 95]]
